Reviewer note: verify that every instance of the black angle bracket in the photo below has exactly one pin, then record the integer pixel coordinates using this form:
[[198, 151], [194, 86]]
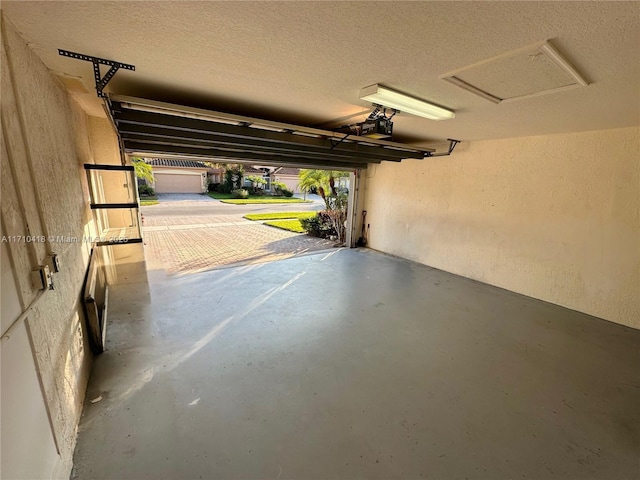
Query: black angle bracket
[[452, 145], [101, 81], [334, 144]]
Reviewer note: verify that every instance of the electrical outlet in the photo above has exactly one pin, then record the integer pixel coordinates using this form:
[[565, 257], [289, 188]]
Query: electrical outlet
[[53, 262], [41, 278]]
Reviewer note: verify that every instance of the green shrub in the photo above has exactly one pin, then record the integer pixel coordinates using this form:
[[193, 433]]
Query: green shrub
[[146, 190], [311, 225], [213, 187], [240, 193], [233, 178], [318, 226], [280, 188]]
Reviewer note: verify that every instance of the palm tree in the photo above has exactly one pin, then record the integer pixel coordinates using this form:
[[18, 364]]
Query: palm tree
[[142, 169], [322, 180], [313, 179]]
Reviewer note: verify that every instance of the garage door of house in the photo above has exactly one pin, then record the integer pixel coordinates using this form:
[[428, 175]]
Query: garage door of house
[[172, 183]]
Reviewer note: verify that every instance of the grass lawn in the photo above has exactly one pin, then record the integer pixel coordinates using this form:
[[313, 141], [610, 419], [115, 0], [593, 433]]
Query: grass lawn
[[293, 225], [254, 199], [219, 196], [148, 201], [279, 215], [285, 220], [259, 200]]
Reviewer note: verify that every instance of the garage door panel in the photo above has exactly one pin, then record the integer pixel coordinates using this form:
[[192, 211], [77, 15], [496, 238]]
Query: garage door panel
[[173, 183]]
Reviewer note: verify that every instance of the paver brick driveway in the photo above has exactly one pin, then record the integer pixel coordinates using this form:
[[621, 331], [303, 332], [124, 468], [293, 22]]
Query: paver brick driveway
[[189, 233]]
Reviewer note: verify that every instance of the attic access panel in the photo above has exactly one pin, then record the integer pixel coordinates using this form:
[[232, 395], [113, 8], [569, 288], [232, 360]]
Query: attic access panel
[[150, 128], [534, 70]]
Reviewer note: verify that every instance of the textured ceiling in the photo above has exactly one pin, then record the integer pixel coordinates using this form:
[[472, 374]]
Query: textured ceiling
[[305, 62]]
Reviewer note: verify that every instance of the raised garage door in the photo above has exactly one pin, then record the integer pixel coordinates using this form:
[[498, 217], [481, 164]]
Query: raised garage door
[[174, 183], [154, 129]]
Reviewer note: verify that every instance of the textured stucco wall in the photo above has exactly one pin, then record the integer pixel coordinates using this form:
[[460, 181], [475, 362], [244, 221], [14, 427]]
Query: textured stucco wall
[[44, 192], [104, 142], [554, 217]]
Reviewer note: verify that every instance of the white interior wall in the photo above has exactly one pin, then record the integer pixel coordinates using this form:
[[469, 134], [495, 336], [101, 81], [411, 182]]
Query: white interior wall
[[45, 359], [554, 217]]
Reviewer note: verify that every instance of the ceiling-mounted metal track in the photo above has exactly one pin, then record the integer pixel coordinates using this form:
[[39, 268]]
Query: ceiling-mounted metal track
[[452, 146], [150, 128]]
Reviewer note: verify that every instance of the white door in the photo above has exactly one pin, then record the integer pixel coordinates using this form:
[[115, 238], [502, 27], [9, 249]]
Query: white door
[[27, 446]]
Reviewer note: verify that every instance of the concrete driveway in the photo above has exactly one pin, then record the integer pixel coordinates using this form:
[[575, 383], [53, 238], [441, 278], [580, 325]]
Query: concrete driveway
[[187, 233]]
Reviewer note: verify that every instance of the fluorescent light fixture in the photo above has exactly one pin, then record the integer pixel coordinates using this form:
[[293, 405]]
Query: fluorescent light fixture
[[404, 103]]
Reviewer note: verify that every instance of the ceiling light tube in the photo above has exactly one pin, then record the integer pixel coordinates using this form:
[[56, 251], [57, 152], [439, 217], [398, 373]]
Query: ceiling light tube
[[404, 103]]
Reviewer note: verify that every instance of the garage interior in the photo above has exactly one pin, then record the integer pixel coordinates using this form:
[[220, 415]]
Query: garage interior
[[291, 379], [490, 330]]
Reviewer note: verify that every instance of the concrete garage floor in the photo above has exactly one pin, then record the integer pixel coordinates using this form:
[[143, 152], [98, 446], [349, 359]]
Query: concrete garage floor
[[352, 364]]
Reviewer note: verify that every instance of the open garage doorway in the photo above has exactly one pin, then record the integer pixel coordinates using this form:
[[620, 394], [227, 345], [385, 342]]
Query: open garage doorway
[[193, 232], [198, 233]]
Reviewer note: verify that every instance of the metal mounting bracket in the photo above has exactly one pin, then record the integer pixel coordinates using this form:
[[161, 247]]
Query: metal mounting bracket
[[334, 144], [381, 111], [101, 81], [452, 145]]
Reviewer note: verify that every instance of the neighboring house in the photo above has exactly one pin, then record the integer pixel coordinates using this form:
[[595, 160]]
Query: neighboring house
[[215, 174], [264, 172], [190, 176], [289, 176], [178, 176]]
